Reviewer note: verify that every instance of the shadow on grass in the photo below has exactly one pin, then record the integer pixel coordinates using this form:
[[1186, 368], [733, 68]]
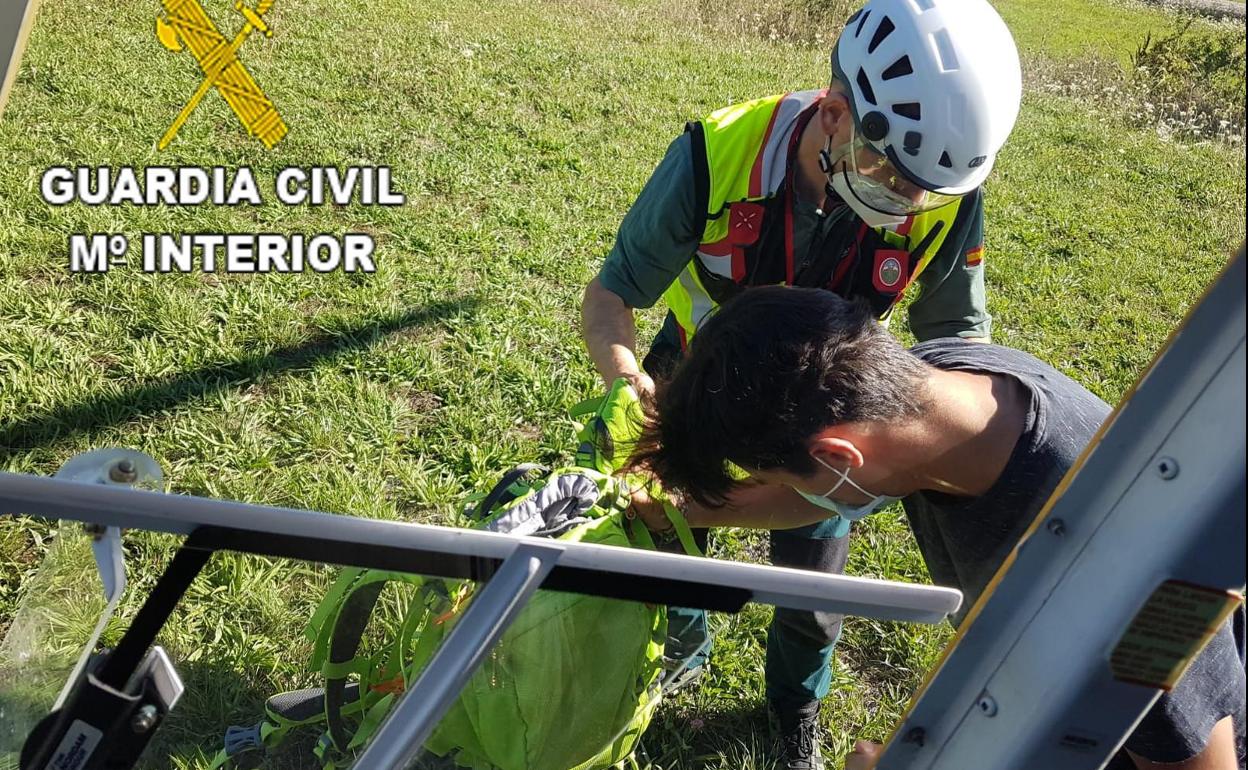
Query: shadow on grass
[[887, 653], [66, 421], [736, 736], [216, 697]]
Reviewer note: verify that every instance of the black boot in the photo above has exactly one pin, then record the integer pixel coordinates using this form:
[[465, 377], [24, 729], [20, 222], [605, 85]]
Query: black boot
[[797, 728]]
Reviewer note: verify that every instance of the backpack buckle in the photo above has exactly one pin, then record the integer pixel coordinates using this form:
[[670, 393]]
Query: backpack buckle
[[239, 739]]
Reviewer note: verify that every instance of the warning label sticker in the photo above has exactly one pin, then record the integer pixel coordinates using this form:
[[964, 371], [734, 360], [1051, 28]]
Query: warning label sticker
[[76, 747], [1168, 632]]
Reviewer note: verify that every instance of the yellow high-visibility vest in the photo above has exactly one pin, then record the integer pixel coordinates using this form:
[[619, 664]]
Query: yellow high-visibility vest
[[741, 160]]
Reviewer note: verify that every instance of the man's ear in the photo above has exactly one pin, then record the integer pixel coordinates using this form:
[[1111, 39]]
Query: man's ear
[[834, 114], [836, 451]]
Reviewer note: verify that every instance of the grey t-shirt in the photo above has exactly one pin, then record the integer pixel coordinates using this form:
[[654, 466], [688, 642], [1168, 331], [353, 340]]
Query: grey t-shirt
[[965, 540]]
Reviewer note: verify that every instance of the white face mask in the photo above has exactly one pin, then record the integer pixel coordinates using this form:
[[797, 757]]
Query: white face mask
[[855, 200], [873, 202], [845, 510]]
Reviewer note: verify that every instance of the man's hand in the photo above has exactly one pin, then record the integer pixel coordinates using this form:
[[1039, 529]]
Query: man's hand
[[642, 384], [864, 756]]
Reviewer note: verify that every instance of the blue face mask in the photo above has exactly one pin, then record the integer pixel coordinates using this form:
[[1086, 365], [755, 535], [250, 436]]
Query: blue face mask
[[845, 510]]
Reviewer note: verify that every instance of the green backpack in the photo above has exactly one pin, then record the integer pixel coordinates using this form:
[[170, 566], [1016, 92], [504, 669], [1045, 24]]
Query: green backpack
[[574, 680]]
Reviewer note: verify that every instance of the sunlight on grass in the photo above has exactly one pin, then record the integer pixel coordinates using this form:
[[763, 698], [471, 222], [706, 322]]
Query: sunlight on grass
[[520, 133], [1079, 29]]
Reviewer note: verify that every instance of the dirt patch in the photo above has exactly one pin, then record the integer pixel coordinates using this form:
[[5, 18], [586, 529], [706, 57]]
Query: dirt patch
[[423, 402], [529, 431]]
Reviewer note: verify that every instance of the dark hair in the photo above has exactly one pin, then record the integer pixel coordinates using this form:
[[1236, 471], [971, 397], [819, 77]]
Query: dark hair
[[766, 373]]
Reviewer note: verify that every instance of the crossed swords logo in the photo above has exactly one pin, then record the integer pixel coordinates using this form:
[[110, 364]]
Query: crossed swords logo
[[184, 24]]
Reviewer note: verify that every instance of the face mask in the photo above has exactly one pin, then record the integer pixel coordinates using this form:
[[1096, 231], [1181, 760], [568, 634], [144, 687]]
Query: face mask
[[844, 510], [858, 199], [868, 181]]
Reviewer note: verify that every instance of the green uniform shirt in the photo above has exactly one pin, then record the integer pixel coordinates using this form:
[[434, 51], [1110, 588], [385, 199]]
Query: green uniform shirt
[[661, 232]]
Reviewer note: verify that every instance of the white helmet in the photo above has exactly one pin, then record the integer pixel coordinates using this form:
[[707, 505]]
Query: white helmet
[[934, 85]]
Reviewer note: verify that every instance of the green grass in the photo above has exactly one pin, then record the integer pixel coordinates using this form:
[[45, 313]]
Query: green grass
[[1075, 30], [520, 133]]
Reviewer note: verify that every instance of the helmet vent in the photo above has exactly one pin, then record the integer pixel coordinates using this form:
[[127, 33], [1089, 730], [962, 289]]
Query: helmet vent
[[864, 85], [884, 30], [861, 21], [910, 110], [945, 50], [912, 141], [944, 160], [898, 68]]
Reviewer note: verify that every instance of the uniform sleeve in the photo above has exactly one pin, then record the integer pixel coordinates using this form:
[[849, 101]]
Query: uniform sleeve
[[953, 302], [659, 234], [1178, 725]]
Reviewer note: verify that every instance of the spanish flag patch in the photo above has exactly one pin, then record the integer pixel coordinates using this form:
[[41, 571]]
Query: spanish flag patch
[[975, 256]]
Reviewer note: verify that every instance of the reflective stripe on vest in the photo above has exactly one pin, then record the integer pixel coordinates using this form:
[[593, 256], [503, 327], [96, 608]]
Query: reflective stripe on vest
[[697, 304], [747, 142], [746, 158]]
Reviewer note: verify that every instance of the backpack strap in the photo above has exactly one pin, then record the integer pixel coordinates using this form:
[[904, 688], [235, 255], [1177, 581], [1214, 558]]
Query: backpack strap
[[565, 499], [680, 525], [345, 641], [482, 510], [640, 534], [683, 531], [329, 606], [343, 618], [371, 720]]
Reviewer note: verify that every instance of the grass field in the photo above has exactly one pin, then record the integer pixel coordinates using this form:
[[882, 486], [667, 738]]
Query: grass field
[[520, 133]]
